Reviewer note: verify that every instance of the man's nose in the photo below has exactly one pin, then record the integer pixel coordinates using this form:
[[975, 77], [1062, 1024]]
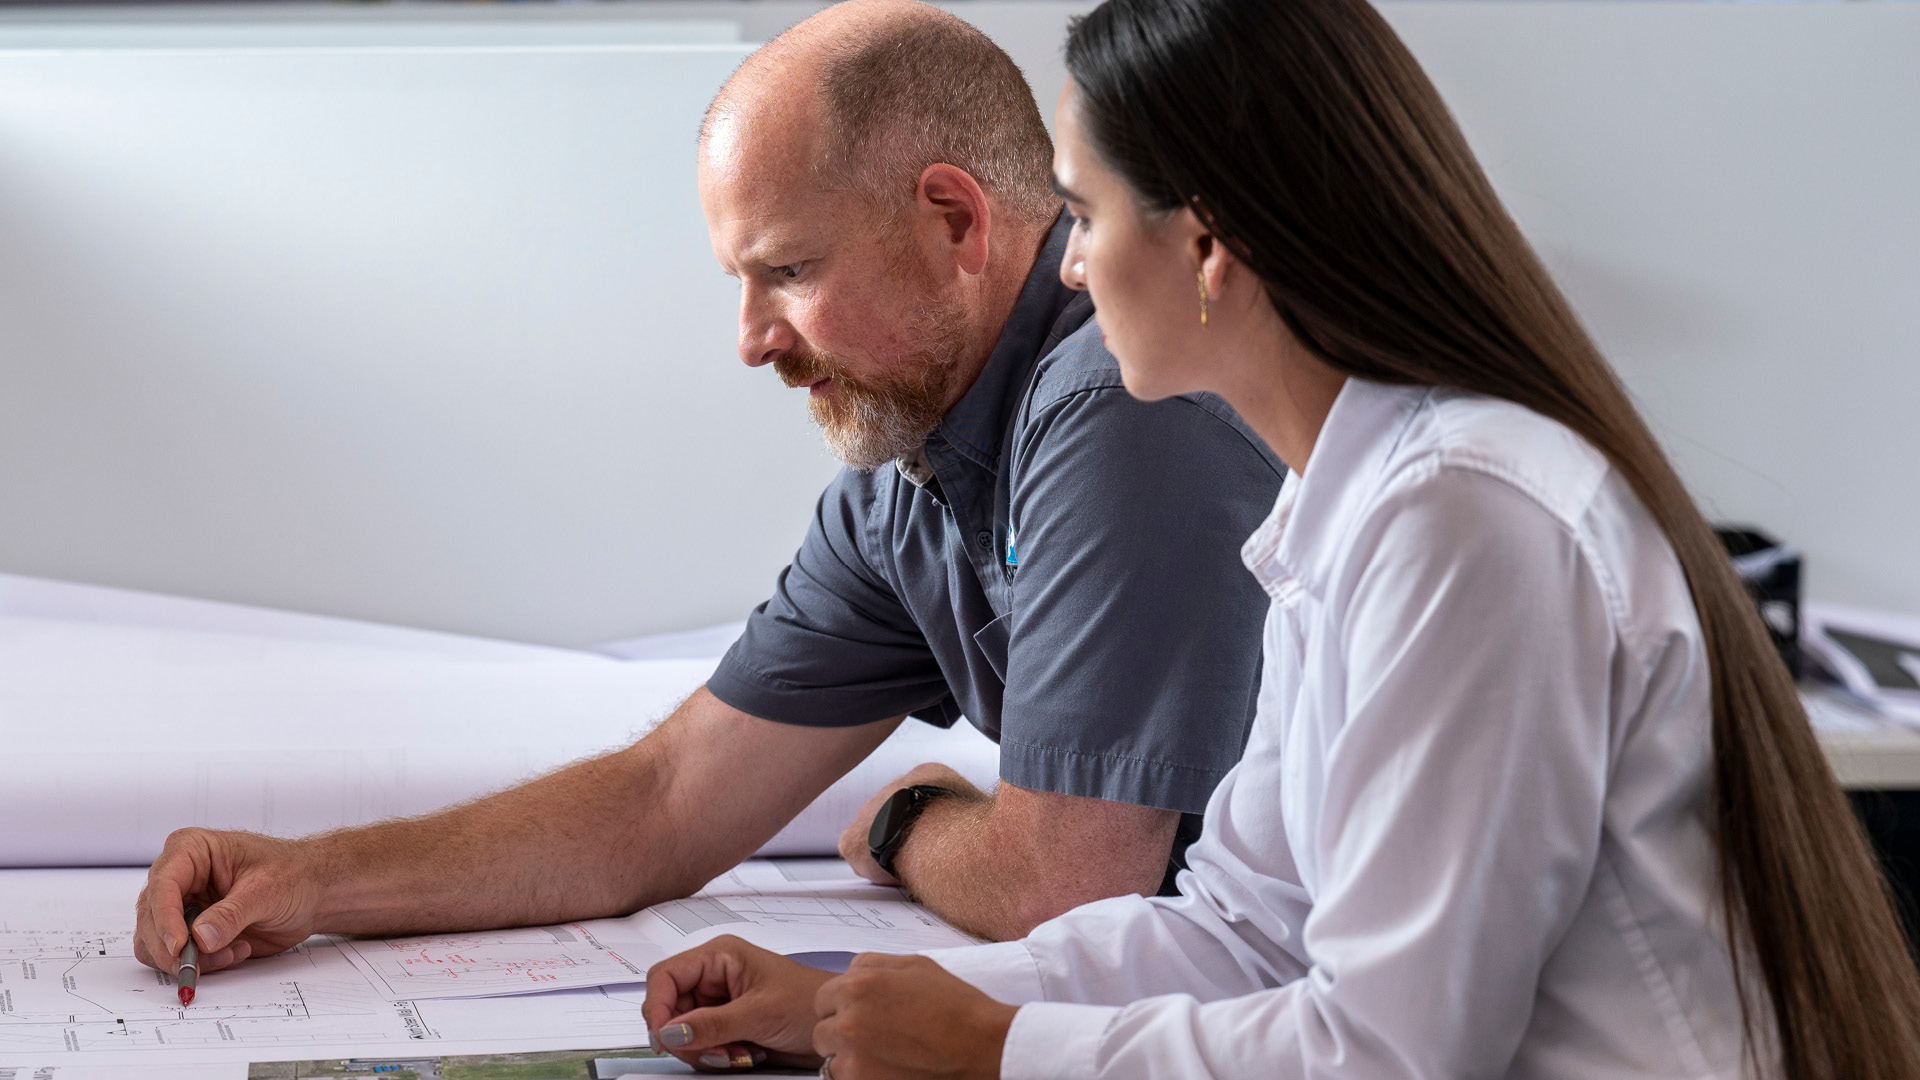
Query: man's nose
[[763, 335]]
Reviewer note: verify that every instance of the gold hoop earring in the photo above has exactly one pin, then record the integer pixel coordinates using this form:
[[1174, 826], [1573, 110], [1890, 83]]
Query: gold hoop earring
[[1201, 277]]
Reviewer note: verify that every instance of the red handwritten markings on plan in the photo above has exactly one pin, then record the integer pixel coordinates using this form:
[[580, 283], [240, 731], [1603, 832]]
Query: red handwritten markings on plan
[[455, 965]]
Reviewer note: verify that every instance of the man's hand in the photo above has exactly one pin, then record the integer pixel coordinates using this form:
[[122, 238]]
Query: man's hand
[[908, 1017], [731, 1005], [260, 896], [853, 842]]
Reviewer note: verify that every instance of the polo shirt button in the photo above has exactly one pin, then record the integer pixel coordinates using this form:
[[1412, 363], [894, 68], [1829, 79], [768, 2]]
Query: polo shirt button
[[986, 541]]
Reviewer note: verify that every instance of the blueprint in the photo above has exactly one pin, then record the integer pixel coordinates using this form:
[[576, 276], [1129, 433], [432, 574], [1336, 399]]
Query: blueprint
[[82, 991], [152, 1070], [794, 906], [496, 962], [789, 924], [78, 998], [76, 1005], [604, 951]]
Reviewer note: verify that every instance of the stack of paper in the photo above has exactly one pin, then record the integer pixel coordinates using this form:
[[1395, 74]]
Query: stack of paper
[[1872, 656]]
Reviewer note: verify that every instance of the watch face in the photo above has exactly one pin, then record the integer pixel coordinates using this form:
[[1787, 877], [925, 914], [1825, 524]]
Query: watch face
[[890, 825], [889, 821]]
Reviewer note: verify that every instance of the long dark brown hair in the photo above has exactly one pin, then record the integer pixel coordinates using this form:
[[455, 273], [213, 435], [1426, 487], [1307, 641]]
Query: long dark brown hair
[[1311, 143]]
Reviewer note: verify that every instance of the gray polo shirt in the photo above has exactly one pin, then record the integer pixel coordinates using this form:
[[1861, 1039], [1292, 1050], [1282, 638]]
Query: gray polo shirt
[[1063, 569]]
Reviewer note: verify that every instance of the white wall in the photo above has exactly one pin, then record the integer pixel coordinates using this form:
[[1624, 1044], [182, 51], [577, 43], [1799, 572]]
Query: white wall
[[435, 337], [1730, 194], [424, 336], [280, 25]]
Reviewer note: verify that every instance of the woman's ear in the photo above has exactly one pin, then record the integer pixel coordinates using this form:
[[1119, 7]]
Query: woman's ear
[[1219, 266], [1206, 251]]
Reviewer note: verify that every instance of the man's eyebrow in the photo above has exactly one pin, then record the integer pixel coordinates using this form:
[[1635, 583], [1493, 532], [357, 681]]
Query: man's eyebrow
[[766, 248], [1060, 189]]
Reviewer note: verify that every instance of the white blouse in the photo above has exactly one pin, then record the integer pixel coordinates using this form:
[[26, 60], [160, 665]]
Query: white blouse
[[1469, 834]]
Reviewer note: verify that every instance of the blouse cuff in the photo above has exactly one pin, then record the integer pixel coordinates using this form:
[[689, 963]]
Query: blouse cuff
[[1052, 1040], [1004, 971]]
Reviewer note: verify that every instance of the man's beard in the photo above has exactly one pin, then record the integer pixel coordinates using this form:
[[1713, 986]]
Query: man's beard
[[874, 420]]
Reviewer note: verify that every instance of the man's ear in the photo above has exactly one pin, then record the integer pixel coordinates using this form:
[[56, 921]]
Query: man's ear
[[953, 197]]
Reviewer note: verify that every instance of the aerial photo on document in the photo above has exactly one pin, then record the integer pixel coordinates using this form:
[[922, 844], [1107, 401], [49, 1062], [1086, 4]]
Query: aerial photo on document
[[551, 1065]]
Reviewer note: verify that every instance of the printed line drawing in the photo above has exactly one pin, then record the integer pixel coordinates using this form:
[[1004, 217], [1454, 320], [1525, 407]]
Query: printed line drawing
[[493, 962], [78, 991]]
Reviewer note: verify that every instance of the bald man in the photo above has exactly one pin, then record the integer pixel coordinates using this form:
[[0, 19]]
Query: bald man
[[1015, 540]]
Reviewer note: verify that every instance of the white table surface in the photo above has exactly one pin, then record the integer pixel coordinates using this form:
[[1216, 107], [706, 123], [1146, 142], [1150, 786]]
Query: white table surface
[[1867, 751]]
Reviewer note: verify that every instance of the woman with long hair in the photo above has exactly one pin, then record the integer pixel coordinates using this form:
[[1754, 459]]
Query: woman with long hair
[[1529, 793]]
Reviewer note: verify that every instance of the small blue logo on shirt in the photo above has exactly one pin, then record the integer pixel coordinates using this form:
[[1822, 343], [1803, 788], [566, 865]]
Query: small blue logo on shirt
[[1012, 559]]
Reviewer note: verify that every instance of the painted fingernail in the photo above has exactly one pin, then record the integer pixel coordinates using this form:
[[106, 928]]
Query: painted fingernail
[[744, 1060], [677, 1035], [714, 1059]]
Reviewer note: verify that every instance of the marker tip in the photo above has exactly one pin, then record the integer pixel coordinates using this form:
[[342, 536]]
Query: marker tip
[[186, 995]]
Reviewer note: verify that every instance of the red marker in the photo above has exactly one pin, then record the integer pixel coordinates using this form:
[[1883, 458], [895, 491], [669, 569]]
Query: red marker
[[189, 974]]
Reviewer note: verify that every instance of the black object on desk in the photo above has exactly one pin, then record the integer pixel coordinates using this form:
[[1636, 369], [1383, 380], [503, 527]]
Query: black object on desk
[[1771, 572]]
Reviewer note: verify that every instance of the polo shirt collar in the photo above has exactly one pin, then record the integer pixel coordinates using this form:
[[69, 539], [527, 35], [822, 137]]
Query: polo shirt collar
[[1294, 550], [976, 425]]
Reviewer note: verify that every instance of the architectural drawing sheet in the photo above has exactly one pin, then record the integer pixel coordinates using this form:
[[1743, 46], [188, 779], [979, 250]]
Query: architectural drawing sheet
[[202, 1070], [496, 962], [604, 951], [79, 998], [75, 1005], [796, 924], [81, 992]]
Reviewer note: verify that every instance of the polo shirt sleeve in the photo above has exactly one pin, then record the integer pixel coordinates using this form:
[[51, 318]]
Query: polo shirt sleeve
[[834, 646], [1134, 647]]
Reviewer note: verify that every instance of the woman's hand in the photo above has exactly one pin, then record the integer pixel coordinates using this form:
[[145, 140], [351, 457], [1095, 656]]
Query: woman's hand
[[906, 1016], [731, 1005]]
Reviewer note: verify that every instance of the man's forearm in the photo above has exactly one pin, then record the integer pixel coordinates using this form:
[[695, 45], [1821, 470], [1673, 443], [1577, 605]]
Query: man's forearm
[[570, 845], [607, 836], [999, 865]]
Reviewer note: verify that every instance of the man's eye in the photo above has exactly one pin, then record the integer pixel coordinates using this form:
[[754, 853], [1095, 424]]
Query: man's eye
[[790, 271]]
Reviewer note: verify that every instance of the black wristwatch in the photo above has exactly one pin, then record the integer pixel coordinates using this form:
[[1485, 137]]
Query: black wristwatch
[[895, 820]]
